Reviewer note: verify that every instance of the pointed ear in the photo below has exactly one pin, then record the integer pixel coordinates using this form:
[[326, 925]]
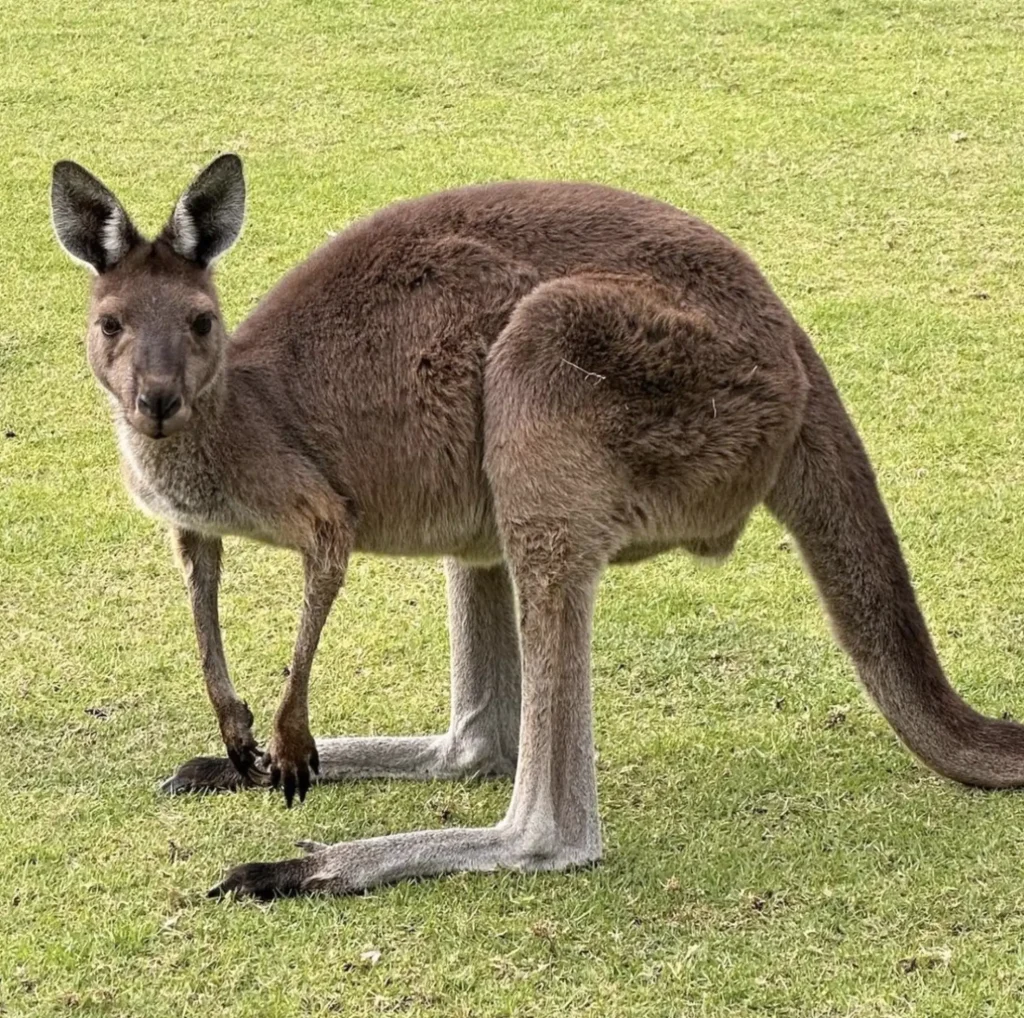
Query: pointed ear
[[208, 217], [89, 221]]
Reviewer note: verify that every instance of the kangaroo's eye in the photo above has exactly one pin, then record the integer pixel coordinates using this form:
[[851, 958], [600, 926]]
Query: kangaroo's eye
[[110, 325], [202, 324]]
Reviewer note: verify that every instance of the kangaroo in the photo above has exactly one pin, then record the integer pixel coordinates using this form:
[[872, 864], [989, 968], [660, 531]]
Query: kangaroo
[[534, 381]]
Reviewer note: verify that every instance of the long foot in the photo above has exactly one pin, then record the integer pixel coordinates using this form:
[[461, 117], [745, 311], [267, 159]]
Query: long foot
[[204, 774], [355, 866], [264, 880]]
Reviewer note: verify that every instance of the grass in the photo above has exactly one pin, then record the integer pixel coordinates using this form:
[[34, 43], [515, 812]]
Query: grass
[[770, 848]]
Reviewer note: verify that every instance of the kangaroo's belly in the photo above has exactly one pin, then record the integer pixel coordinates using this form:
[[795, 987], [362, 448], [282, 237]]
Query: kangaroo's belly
[[453, 519]]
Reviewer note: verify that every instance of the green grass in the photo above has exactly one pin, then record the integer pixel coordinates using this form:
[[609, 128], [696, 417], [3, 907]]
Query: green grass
[[770, 848]]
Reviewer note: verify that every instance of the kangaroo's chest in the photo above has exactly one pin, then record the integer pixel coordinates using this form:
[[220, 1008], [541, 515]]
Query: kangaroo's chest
[[184, 490], [204, 511]]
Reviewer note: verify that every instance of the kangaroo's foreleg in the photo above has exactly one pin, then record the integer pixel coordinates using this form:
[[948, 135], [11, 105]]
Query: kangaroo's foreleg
[[200, 562], [292, 753]]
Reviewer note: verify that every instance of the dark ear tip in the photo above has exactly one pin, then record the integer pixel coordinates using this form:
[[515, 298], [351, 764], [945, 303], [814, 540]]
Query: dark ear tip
[[69, 173], [64, 167], [229, 161]]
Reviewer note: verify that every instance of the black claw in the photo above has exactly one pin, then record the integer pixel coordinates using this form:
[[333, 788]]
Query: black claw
[[289, 788], [303, 784], [314, 761], [243, 758]]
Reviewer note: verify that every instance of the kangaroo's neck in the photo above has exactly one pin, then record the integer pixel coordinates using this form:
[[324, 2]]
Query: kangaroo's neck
[[186, 478]]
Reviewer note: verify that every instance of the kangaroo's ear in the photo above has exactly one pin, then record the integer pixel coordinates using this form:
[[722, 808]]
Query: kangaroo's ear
[[89, 221], [208, 217]]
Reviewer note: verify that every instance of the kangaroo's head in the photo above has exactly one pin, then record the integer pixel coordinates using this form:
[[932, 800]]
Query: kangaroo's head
[[155, 338]]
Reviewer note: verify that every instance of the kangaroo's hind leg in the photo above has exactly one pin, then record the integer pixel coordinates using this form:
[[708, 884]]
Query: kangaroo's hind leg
[[557, 539], [483, 734]]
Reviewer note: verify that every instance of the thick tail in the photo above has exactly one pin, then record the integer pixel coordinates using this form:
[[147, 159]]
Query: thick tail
[[827, 497]]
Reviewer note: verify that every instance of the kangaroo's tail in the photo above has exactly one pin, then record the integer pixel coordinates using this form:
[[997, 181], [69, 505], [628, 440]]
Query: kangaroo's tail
[[827, 498]]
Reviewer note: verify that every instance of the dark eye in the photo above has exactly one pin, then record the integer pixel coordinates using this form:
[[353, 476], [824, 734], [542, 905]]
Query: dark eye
[[110, 325], [202, 324]]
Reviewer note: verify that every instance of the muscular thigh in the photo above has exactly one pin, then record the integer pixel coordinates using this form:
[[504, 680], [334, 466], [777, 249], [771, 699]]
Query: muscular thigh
[[618, 413]]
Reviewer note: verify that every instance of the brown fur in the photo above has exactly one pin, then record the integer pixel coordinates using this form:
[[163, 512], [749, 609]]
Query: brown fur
[[550, 376]]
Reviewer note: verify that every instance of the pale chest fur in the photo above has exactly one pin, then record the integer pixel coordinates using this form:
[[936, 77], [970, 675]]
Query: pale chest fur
[[178, 483]]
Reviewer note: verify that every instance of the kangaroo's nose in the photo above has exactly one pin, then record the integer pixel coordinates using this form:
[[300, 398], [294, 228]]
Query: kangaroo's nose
[[159, 403]]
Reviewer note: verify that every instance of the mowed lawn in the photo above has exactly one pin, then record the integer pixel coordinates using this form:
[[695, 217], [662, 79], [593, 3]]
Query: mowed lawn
[[770, 847]]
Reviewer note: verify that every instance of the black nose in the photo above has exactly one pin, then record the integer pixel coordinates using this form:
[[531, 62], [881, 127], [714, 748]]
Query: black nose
[[160, 404]]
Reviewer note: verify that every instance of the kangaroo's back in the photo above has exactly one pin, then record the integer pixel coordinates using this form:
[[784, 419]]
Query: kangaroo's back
[[547, 230]]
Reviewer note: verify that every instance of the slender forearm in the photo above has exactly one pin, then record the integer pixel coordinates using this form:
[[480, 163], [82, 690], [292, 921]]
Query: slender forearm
[[292, 751], [200, 559]]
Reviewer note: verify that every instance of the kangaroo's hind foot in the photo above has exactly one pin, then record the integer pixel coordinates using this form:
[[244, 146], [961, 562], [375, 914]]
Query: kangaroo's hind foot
[[203, 774]]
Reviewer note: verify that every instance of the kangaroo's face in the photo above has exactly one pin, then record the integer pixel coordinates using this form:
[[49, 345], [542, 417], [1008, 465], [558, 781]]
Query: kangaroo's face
[[155, 339]]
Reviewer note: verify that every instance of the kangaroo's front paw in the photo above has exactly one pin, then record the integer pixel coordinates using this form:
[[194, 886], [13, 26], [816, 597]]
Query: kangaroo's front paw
[[291, 757], [236, 731]]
